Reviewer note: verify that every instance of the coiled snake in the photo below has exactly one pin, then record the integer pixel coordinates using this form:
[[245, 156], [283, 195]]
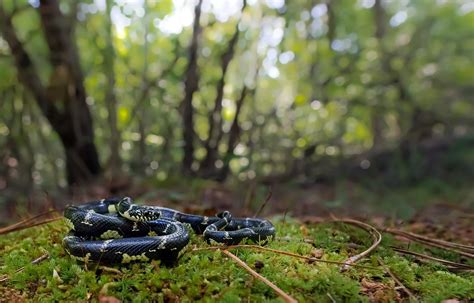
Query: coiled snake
[[117, 231]]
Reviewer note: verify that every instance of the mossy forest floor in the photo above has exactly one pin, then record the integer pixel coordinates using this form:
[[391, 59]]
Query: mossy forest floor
[[209, 275]]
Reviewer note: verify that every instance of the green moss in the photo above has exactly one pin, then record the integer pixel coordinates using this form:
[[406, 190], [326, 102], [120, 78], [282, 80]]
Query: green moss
[[210, 276], [440, 285]]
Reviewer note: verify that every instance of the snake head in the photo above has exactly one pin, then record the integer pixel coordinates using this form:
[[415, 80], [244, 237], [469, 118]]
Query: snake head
[[135, 212], [226, 215]]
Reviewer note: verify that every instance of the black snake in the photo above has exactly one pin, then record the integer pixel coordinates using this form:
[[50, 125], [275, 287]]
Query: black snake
[[117, 231]]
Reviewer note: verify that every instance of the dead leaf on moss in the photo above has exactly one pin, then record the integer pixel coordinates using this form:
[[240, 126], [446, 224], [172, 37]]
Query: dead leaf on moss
[[11, 295], [108, 299], [379, 292], [317, 253]]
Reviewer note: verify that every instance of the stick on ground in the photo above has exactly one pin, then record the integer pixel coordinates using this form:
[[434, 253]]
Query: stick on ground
[[282, 252], [376, 235], [267, 198], [442, 261], [280, 292], [26, 222], [405, 289], [464, 250], [35, 261]]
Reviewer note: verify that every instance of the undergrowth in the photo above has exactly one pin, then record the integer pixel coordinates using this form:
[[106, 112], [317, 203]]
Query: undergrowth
[[209, 275]]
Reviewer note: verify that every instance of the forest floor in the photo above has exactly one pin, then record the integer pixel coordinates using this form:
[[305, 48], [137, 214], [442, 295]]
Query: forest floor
[[310, 226]]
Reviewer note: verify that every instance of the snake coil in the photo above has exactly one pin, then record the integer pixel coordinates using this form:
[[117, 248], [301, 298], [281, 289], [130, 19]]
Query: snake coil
[[117, 231]]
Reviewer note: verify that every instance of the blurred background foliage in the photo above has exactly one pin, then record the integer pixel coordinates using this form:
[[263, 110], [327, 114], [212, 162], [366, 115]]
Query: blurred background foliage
[[284, 91]]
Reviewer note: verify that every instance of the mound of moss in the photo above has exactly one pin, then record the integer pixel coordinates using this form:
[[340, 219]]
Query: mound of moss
[[209, 275]]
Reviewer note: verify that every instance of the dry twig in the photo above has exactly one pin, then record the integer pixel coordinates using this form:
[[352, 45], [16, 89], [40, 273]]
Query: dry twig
[[376, 235], [280, 292], [464, 250], [405, 289], [442, 261], [290, 239], [267, 198], [23, 225], [281, 252], [35, 261], [20, 225], [111, 270]]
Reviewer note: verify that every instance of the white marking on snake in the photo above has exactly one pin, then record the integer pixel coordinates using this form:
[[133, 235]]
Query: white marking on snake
[[135, 226], [126, 214], [162, 244], [205, 220], [103, 248], [88, 217], [111, 208]]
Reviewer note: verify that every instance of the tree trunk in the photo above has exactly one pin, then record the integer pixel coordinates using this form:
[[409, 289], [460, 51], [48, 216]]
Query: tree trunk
[[73, 122], [191, 84]]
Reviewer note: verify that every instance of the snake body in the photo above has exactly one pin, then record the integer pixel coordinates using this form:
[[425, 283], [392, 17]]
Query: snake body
[[118, 231]]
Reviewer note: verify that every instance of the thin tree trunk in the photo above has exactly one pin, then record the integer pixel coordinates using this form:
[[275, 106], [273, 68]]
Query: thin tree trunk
[[191, 84], [211, 145], [234, 135], [110, 97], [376, 115], [332, 22], [235, 129], [142, 161]]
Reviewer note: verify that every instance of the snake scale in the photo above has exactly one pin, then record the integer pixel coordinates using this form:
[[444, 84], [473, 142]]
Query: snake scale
[[116, 230]]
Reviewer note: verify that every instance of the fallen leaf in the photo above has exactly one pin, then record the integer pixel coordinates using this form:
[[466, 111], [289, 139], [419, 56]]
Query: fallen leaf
[[108, 299], [317, 253], [57, 277], [379, 292]]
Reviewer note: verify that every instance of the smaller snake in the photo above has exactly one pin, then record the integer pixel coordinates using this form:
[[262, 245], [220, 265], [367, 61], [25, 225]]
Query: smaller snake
[[117, 231]]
